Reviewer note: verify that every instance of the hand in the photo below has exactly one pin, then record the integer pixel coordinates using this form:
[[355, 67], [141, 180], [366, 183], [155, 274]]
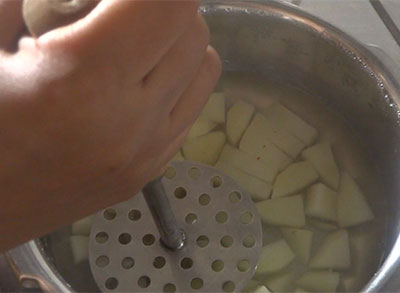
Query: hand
[[91, 112]]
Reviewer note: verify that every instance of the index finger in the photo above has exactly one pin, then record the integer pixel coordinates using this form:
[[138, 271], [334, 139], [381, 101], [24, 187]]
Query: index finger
[[129, 32]]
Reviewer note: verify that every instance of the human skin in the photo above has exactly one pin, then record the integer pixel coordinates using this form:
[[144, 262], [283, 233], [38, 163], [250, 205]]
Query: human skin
[[91, 112]]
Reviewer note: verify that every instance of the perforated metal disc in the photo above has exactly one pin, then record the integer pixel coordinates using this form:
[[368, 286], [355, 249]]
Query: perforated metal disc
[[223, 237]]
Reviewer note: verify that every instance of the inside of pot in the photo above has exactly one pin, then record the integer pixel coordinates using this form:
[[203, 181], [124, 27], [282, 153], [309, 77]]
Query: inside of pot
[[272, 57]]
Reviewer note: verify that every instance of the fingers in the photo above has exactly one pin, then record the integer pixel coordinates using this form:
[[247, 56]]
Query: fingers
[[126, 32], [180, 65], [11, 23], [195, 97]]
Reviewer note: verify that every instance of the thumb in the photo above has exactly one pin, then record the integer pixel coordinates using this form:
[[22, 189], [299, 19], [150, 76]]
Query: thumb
[[11, 23]]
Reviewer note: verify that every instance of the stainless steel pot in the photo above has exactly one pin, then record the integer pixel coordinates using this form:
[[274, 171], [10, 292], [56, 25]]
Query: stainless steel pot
[[355, 80]]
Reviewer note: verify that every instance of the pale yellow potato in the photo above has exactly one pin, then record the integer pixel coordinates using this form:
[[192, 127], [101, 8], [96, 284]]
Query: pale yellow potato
[[204, 149], [281, 282], [237, 120], [215, 108], [251, 286], [275, 133], [257, 144], [82, 226], [321, 157], [300, 241], [261, 289], [178, 157], [274, 257], [248, 163], [319, 281], [79, 247], [201, 126], [283, 211], [258, 189], [333, 253], [292, 123], [299, 290], [322, 225], [294, 178], [321, 202], [352, 207]]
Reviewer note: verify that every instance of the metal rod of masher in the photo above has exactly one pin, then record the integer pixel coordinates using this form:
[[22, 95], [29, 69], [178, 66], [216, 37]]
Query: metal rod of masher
[[171, 236]]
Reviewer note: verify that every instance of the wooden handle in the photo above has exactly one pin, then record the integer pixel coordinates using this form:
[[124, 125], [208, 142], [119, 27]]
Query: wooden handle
[[41, 16]]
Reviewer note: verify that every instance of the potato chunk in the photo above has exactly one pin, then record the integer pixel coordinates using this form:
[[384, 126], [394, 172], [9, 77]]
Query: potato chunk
[[285, 211], [300, 242], [281, 282], [294, 178], [319, 281], [79, 247], [258, 189], [321, 157], [353, 209], [248, 163], [204, 149], [321, 202], [292, 123], [82, 226], [238, 118], [201, 126], [274, 257], [215, 108], [333, 253], [275, 133]]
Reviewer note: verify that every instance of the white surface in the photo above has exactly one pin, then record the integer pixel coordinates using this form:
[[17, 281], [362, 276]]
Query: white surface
[[359, 19]]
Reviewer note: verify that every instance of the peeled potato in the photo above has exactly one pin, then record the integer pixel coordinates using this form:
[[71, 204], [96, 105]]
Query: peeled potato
[[321, 225], [321, 202], [293, 179], [80, 248], [258, 189], [353, 209], [284, 211], [300, 242], [333, 253], [299, 290], [285, 141], [247, 163], [203, 125], [261, 289], [291, 123], [321, 157], [178, 157], [251, 286], [274, 257], [204, 149], [215, 108], [281, 282], [238, 118], [319, 281], [82, 226]]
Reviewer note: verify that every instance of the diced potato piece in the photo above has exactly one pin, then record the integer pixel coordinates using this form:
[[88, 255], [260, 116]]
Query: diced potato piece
[[204, 149], [258, 189], [257, 144], [291, 123], [274, 257], [251, 286], [285, 211], [353, 209], [299, 290], [319, 281], [238, 118], [80, 248], [82, 226], [321, 202], [282, 282], [215, 108], [285, 141], [294, 178], [321, 157], [300, 242], [247, 163], [261, 289], [203, 125], [333, 253], [178, 157], [321, 225]]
